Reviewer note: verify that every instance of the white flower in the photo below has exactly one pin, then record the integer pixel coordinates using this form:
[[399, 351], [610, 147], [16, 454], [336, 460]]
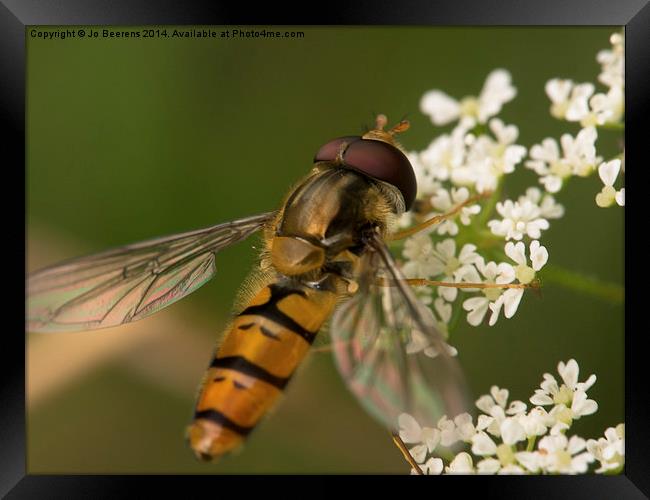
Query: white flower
[[418, 252], [487, 159], [452, 268], [538, 258], [548, 208], [483, 445], [608, 172], [496, 405], [461, 464], [432, 467], [410, 432], [488, 466], [570, 398], [531, 460], [610, 450], [512, 431], [420, 342], [511, 298], [578, 158], [612, 62], [559, 454], [443, 109], [443, 157], [464, 427], [569, 102], [477, 307], [580, 151], [522, 217], [536, 422], [511, 469], [608, 108], [448, 432], [444, 201]]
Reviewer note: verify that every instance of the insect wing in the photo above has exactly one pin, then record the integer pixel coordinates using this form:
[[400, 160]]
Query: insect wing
[[131, 282], [390, 353]]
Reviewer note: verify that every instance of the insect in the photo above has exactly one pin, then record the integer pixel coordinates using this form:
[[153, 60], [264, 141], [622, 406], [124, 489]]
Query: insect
[[325, 257]]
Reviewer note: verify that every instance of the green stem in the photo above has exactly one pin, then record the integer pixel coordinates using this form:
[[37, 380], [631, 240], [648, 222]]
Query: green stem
[[444, 453], [575, 281], [488, 208], [615, 126], [531, 443]]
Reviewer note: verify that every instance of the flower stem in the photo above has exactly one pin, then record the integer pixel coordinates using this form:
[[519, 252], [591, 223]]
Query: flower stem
[[572, 280], [531, 443], [616, 126], [488, 208]]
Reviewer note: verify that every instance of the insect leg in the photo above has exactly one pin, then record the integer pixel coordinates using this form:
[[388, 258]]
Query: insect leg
[[434, 220], [425, 282], [407, 456]]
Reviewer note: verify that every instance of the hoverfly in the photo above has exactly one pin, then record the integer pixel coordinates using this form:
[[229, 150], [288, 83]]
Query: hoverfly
[[324, 257]]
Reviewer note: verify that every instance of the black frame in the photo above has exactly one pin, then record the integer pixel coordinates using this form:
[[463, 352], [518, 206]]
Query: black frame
[[16, 15]]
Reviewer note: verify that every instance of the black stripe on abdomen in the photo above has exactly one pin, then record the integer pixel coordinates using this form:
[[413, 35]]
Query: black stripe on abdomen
[[219, 418], [269, 310], [242, 365]]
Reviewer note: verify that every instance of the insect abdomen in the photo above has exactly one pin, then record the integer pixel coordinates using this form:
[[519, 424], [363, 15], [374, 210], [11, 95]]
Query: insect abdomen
[[260, 352]]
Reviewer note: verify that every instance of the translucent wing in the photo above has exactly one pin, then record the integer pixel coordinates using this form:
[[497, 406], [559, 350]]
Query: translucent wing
[[131, 282], [389, 351]]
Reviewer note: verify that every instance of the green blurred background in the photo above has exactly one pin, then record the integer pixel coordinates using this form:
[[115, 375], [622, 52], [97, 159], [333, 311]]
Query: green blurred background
[[134, 138]]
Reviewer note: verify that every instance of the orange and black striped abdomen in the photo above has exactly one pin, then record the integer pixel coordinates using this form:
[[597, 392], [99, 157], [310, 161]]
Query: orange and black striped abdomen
[[260, 352]]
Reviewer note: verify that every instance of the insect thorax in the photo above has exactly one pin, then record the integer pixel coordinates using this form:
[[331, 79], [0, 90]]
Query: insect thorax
[[320, 231]]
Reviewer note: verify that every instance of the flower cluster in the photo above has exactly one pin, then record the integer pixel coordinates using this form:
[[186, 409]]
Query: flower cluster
[[509, 438], [454, 173], [488, 241], [578, 102]]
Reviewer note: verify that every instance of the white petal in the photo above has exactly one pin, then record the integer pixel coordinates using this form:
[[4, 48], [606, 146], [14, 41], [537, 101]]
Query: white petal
[[511, 299], [500, 395], [512, 431], [516, 252], [530, 460], [558, 90], [541, 399], [431, 438], [477, 307], [462, 464], [440, 107], [433, 467], [511, 469], [569, 372], [485, 403], [484, 422], [538, 255], [409, 429], [495, 307], [483, 445], [552, 183], [581, 406], [506, 273], [608, 171], [576, 445], [488, 466], [419, 453], [620, 197], [516, 407], [586, 385]]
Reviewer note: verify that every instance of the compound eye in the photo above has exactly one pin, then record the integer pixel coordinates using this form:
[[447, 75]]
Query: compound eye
[[384, 162], [330, 151]]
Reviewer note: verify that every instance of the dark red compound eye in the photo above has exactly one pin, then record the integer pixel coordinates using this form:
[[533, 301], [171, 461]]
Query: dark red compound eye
[[382, 161], [329, 151], [375, 159]]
